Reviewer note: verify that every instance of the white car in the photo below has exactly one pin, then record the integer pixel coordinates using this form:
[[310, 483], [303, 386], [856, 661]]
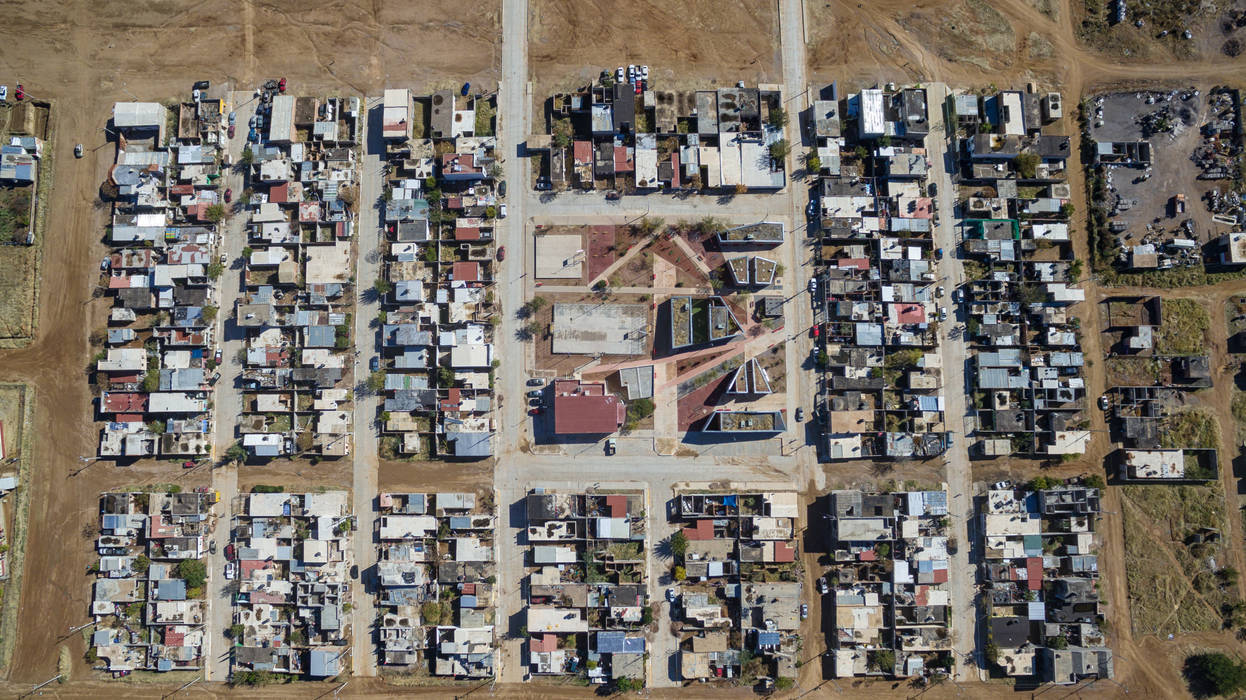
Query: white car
[[618, 75], [502, 211], [644, 72], [4, 92], [631, 73], [231, 569]]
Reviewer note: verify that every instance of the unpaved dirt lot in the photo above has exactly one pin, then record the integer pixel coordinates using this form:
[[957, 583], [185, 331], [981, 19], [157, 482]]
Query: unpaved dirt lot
[[686, 44]]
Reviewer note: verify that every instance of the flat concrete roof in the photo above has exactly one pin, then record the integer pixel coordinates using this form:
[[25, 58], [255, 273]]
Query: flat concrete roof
[[559, 257], [608, 329]]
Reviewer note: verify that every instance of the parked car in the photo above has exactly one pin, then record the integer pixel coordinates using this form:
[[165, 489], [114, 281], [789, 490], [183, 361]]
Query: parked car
[[800, 413], [19, 93], [612, 196], [502, 211], [1001, 485], [78, 151], [502, 188], [619, 75], [534, 411], [375, 363], [534, 394], [231, 570], [501, 251], [813, 285], [4, 92], [229, 548], [811, 211], [212, 547], [467, 87], [217, 356], [188, 464], [611, 446], [233, 117], [201, 85], [814, 331], [822, 587], [804, 611], [644, 72], [938, 253], [939, 291], [231, 131], [1104, 402], [957, 295], [670, 595], [631, 73], [535, 382], [281, 85], [229, 194], [534, 401]]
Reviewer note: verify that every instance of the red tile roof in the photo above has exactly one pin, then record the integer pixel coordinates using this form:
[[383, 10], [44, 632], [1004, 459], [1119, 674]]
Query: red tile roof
[[702, 530], [247, 566], [585, 409], [910, 313], [467, 233], [123, 403], [623, 160], [617, 504], [582, 152], [173, 639], [858, 263], [867, 555], [1034, 573], [279, 193], [939, 576], [675, 169], [543, 642], [182, 189], [466, 271], [784, 552]]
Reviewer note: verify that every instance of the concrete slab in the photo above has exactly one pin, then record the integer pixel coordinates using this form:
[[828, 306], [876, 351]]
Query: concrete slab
[[607, 329], [328, 263], [559, 257]]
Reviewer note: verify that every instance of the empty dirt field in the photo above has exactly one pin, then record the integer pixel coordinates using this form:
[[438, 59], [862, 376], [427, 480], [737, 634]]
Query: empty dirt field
[[1174, 560], [686, 44]]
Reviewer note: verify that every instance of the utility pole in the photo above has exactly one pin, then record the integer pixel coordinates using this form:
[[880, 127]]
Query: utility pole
[[189, 683], [55, 678]]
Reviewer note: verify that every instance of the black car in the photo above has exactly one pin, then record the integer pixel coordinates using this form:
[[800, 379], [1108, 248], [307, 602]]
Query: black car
[[534, 394]]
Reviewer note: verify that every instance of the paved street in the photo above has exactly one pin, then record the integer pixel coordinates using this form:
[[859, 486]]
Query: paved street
[[511, 290], [962, 571], [364, 449], [227, 401]]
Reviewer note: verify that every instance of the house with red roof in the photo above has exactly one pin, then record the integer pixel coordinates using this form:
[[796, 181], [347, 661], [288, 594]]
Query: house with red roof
[[585, 408]]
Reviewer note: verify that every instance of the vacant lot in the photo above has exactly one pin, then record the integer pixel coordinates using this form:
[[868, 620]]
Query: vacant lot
[[1183, 328], [16, 413], [1173, 587], [17, 293], [685, 44], [1195, 427]]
